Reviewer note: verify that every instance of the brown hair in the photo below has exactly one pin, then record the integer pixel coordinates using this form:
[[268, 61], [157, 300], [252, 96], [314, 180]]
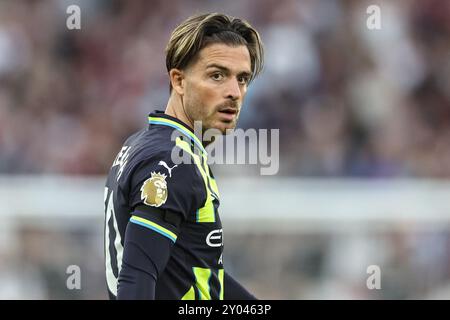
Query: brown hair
[[198, 31]]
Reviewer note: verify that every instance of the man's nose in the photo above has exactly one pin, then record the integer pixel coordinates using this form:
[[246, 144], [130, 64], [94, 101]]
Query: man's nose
[[233, 90]]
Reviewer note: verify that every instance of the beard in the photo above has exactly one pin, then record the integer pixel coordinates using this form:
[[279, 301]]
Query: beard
[[222, 117]]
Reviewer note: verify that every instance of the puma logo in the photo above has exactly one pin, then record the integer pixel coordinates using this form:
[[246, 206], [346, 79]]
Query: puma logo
[[164, 164]]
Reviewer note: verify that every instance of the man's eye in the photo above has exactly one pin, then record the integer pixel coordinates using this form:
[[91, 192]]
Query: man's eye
[[243, 80], [217, 76]]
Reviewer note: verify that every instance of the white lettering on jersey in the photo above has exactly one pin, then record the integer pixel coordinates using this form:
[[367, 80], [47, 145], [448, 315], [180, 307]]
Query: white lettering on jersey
[[110, 214], [121, 160]]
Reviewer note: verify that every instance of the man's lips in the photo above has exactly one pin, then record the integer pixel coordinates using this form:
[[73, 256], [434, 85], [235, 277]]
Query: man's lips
[[228, 113], [228, 110]]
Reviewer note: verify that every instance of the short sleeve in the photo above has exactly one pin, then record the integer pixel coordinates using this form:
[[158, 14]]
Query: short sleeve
[[158, 182]]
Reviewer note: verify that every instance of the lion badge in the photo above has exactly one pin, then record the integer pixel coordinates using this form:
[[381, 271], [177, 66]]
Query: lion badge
[[154, 190]]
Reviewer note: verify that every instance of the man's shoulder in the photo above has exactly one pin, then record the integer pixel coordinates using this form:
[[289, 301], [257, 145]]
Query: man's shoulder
[[155, 177], [155, 148], [148, 143], [155, 139]]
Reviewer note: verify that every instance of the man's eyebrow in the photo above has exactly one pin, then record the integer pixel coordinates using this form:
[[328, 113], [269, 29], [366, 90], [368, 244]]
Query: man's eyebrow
[[215, 65], [220, 67]]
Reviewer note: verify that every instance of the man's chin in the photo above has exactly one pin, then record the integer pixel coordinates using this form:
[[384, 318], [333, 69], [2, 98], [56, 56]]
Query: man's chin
[[218, 128], [226, 127]]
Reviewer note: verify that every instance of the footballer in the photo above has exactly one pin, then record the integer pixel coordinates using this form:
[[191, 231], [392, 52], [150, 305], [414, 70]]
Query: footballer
[[163, 235]]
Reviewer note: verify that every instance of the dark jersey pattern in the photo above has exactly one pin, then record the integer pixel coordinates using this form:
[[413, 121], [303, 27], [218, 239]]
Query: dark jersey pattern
[[176, 202]]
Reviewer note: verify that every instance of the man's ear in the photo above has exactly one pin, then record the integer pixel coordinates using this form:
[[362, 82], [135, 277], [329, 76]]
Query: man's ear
[[177, 80]]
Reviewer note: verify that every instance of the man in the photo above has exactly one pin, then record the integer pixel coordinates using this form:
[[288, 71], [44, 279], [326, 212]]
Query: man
[[163, 235]]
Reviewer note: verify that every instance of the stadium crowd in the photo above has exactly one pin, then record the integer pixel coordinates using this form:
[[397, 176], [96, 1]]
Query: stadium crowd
[[348, 101]]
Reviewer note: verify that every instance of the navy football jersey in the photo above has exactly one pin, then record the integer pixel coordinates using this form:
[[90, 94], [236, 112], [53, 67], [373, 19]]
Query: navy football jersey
[[148, 186]]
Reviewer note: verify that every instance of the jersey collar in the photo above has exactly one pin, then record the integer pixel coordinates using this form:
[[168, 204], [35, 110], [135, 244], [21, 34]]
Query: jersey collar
[[160, 118]]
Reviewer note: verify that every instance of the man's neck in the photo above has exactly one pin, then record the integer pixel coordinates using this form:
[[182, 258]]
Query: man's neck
[[175, 109]]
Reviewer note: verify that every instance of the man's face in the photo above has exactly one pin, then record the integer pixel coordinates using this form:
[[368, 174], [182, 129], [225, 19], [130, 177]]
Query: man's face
[[216, 84]]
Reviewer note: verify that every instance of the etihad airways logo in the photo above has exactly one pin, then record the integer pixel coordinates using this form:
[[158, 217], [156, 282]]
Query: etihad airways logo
[[215, 238]]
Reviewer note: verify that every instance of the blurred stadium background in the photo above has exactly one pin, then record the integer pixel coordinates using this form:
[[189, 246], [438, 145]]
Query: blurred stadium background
[[364, 119]]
